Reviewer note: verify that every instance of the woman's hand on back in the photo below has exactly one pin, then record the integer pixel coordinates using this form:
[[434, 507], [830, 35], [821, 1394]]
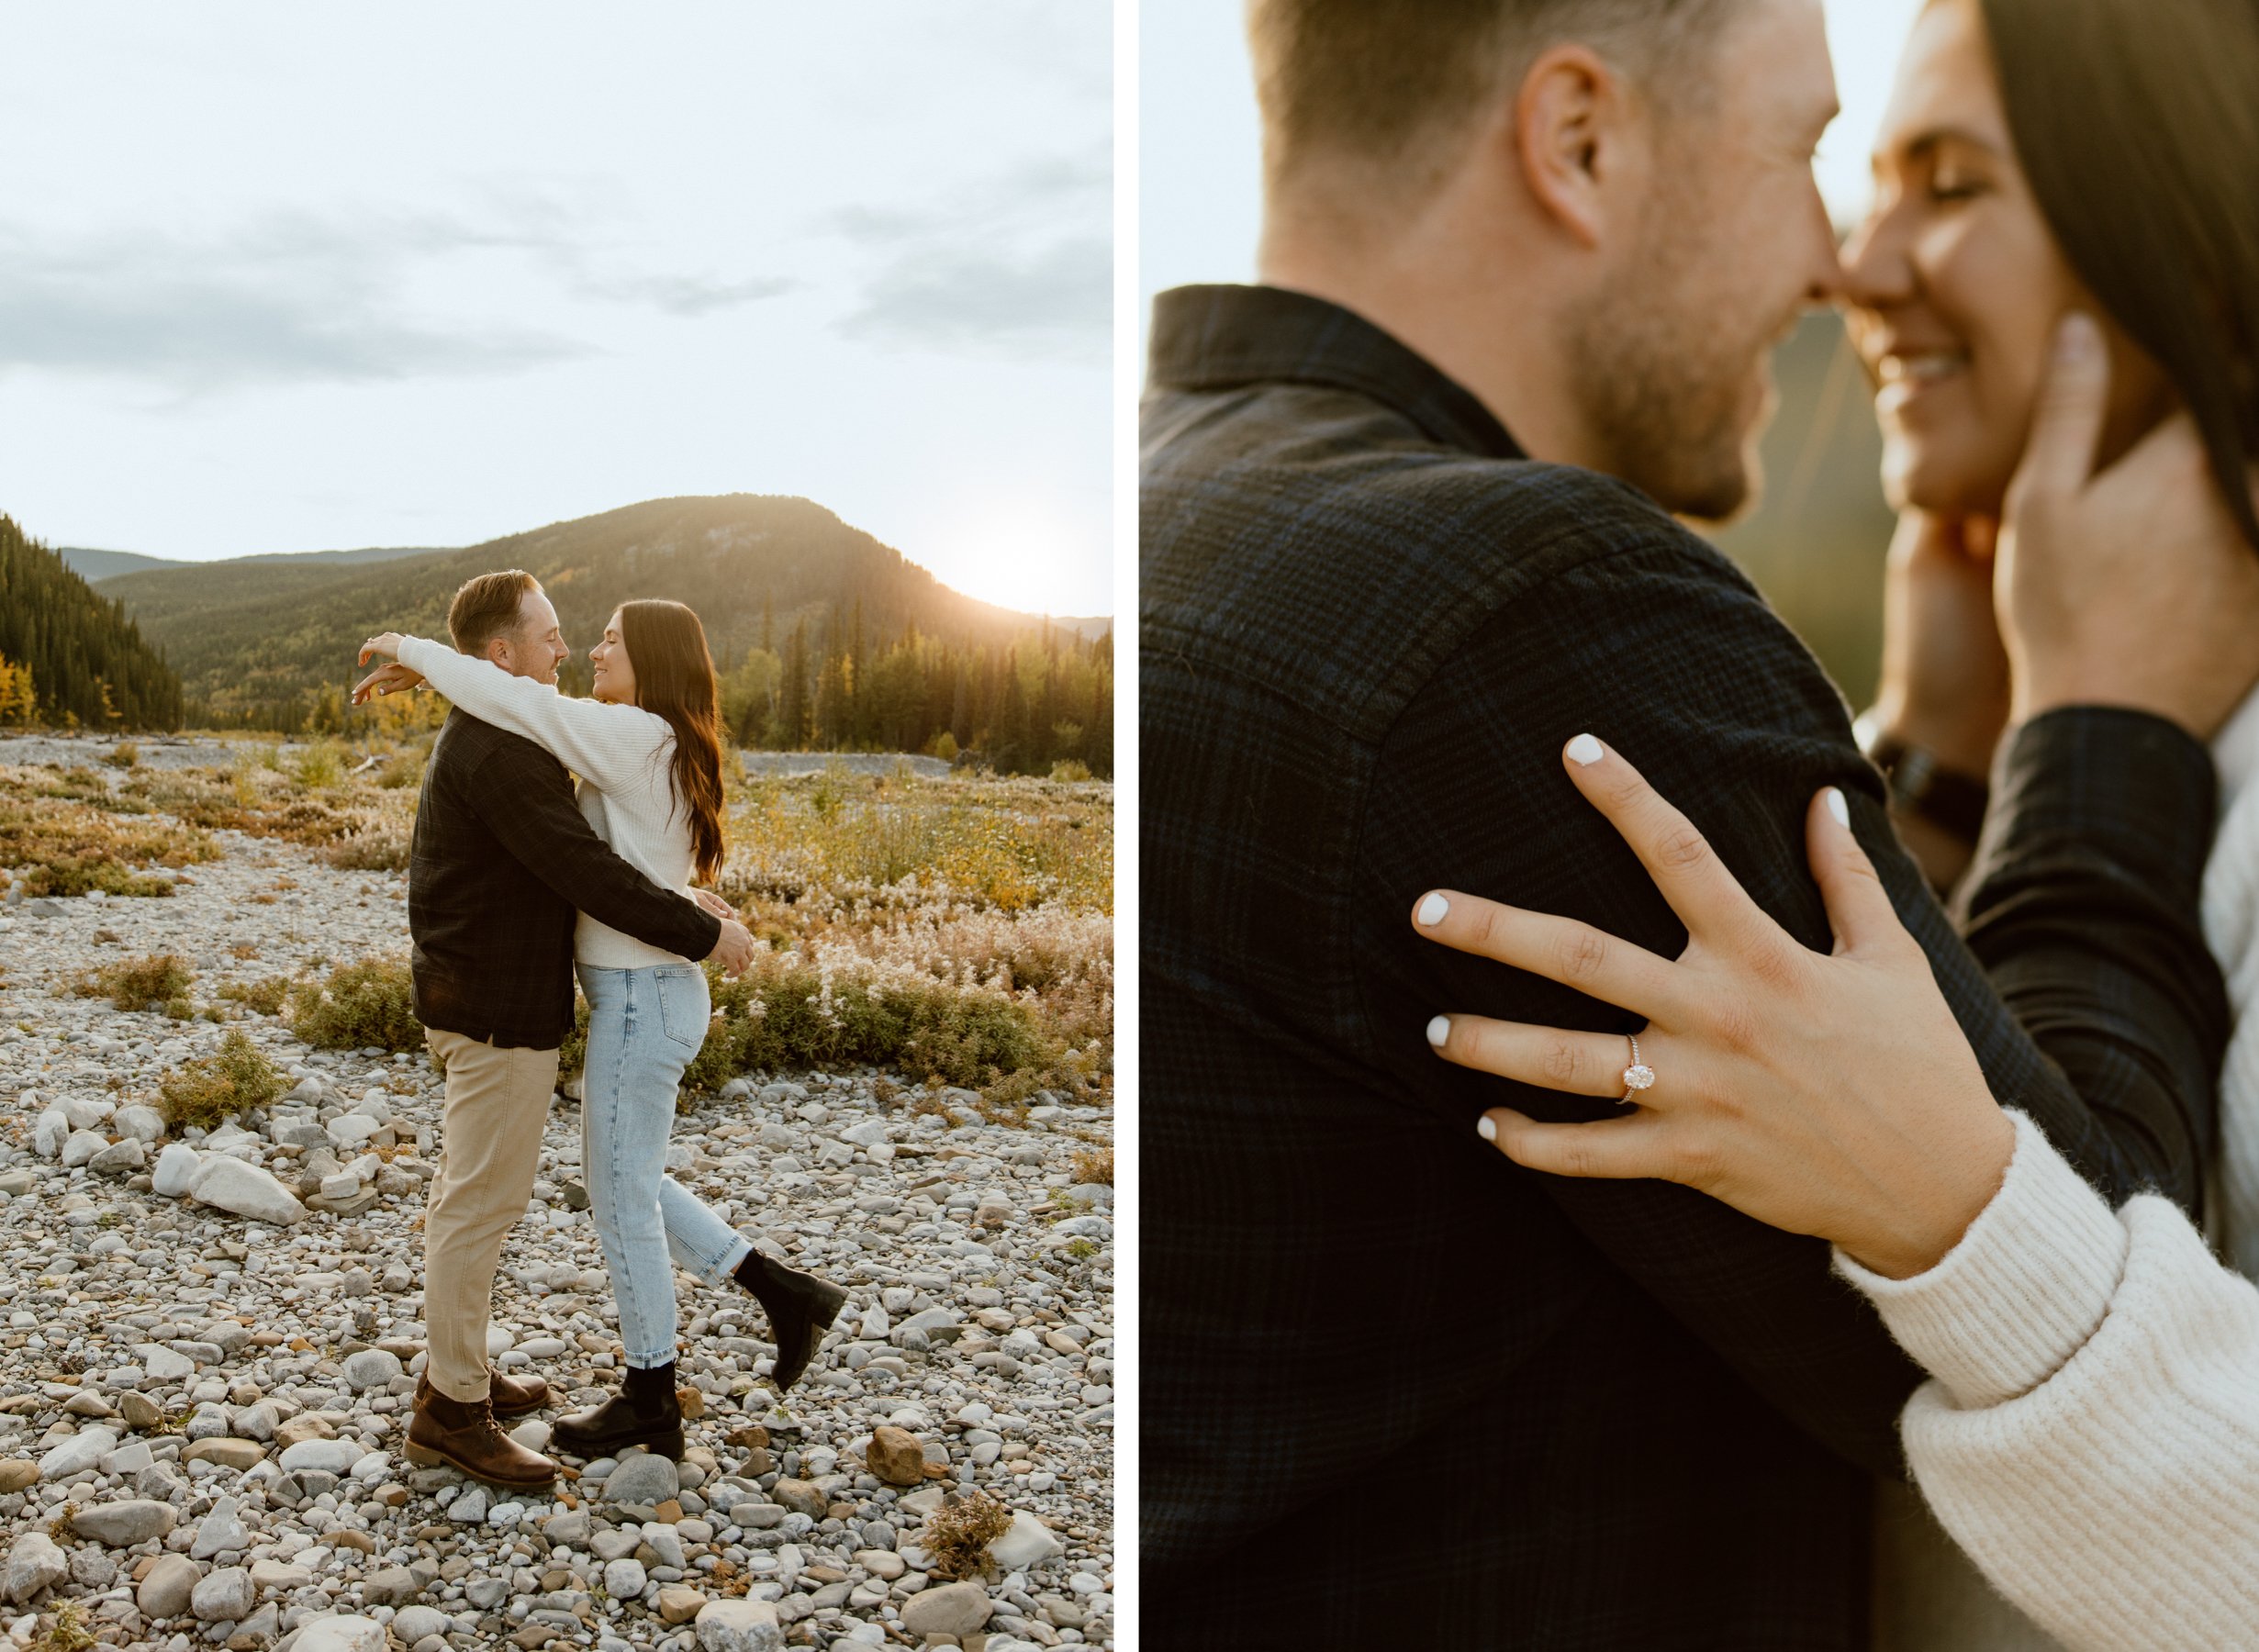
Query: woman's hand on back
[[1831, 1094]]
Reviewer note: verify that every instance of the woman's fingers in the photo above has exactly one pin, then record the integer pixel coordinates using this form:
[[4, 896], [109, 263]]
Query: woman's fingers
[[1859, 908], [1561, 949], [1687, 872], [1581, 1064], [1637, 1148]]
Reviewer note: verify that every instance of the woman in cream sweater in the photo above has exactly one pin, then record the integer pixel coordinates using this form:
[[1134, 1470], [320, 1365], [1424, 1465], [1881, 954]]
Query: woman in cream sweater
[[645, 747]]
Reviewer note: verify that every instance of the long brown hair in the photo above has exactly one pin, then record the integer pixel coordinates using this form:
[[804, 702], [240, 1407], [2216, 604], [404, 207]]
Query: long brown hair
[[2138, 122], [674, 679]]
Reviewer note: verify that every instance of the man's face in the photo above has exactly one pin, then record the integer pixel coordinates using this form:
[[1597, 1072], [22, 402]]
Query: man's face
[[1672, 352], [537, 647]]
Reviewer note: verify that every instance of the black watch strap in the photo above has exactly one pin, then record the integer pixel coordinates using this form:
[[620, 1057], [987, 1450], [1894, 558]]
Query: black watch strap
[[1921, 784]]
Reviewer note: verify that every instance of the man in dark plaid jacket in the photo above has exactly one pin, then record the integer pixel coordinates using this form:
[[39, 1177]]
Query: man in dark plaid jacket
[[1604, 1414]]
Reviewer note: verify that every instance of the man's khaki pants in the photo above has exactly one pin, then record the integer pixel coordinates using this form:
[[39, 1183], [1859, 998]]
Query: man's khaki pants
[[490, 1140]]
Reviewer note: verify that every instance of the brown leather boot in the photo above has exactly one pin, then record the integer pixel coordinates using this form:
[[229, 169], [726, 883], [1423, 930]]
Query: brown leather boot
[[515, 1396], [461, 1434]]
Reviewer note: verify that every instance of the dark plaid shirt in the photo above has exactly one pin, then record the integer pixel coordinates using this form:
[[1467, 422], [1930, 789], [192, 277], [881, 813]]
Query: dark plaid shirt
[[1398, 1391], [501, 860]]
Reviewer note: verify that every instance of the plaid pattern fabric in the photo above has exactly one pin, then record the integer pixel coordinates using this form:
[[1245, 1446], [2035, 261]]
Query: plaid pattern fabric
[[501, 860], [1397, 1390]]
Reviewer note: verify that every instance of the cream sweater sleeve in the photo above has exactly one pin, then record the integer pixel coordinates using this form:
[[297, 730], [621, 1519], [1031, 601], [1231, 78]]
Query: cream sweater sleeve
[[2091, 1437], [612, 747]]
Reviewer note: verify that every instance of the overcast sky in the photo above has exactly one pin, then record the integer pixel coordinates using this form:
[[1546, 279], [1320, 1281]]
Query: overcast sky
[[1199, 201], [303, 277]]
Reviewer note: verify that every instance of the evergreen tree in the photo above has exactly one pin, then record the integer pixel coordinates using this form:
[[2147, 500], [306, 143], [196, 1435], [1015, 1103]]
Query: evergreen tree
[[82, 661]]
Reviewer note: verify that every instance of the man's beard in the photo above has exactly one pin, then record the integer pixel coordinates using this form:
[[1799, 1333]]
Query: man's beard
[[1663, 393]]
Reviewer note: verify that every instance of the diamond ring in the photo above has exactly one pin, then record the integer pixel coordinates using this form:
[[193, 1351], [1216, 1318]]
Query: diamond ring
[[1639, 1076]]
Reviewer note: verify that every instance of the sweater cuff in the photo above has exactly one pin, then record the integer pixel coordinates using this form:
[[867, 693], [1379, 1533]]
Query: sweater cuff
[[2029, 1282]]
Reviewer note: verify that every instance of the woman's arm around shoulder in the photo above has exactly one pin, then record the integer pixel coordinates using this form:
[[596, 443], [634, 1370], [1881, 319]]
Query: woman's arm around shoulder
[[611, 746]]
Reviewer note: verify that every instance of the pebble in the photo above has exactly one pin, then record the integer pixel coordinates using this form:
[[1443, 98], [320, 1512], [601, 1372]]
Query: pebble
[[123, 1524], [644, 1477], [166, 1587], [223, 1596]]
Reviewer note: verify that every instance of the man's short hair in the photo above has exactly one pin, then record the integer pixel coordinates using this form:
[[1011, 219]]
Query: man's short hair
[[489, 607], [1374, 82]]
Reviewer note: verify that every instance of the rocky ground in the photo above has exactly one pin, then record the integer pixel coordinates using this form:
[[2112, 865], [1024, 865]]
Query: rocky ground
[[201, 1407]]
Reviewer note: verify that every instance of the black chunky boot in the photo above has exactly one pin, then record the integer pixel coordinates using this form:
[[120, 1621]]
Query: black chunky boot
[[800, 1306], [644, 1413]]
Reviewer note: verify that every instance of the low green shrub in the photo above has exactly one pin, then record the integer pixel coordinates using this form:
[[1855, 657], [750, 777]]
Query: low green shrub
[[267, 997], [792, 1018], [150, 982], [205, 1093], [371, 1004]]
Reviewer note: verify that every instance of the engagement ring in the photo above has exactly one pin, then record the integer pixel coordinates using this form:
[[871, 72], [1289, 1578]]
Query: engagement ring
[[1639, 1076]]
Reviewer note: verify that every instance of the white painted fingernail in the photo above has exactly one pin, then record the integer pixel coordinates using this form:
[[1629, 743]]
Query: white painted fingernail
[[1433, 911], [1438, 1030], [1584, 750], [1487, 1128], [1839, 807]]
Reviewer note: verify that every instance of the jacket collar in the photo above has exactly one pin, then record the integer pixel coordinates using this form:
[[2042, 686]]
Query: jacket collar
[[1218, 337]]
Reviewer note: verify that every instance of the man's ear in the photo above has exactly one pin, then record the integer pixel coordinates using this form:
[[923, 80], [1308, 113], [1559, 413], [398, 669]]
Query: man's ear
[[1573, 128], [498, 652]]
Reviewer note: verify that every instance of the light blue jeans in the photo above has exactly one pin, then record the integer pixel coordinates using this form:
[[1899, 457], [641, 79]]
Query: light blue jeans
[[645, 1025]]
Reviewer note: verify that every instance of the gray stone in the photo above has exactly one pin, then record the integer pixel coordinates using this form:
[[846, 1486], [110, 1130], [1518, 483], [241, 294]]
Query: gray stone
[[955, 1609], [1028, 1543], [624, 1579], [225, 1596], [411, 1624], [342, 1633], [486, 1593], [81, 1451], [470, 1507], [738, 1626], [50, 1133], [164, 1591], [219, 1531], [120, 1158], [371, 1367], [177, 1170], [34, 1563], [142, 1123], [245, 1191], [80, 1147], [570, 1528], [123, 1524], [394, 1586], [17, 1183], [329, 1457], [644, 1477]]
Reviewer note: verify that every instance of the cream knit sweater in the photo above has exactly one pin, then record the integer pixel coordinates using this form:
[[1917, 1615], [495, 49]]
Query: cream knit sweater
[[2091, 1437], [622, 755]]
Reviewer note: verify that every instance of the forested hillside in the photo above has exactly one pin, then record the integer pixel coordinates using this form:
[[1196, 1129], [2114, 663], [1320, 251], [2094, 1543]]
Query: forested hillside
[[69, 656], [827, 639]]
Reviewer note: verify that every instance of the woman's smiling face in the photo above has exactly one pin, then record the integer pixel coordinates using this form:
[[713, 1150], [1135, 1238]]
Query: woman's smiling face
[[1956, 284], [613, 671]]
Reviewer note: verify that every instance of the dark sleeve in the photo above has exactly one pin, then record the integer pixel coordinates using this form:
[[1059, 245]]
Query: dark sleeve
[[522, 794], [2102, 1013]]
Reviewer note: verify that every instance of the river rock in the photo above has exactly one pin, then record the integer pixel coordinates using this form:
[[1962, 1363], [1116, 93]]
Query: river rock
[[1028, 1543], [224, 1596], [166, 1586], [644, 1477], [895, 1457], [340, 1634], [34, 1563], [738, 1626], [123, 1524], [81, 1451], [244, 1189], [176, 1169], [955, 1609]]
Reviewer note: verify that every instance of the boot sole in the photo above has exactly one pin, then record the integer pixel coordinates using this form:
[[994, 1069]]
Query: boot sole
[[425, 1456], [664, 1442]]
